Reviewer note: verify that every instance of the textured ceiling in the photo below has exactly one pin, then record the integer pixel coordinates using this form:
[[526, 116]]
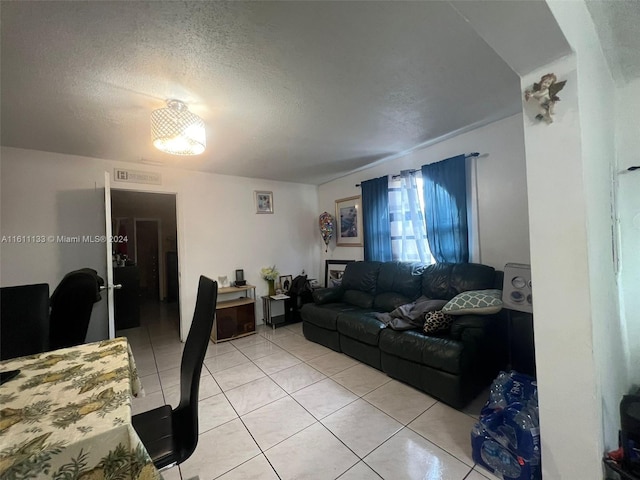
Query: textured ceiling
[[618, 26], [293, 91], [296, 91]]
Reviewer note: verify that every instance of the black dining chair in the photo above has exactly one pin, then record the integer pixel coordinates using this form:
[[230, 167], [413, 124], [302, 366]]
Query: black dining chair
[[71, 306], [24, 320], [170, 436]]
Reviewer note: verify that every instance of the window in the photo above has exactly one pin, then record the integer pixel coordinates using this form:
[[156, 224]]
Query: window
[[406, 216]]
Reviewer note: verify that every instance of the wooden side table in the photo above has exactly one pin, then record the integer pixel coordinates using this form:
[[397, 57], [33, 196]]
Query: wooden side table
[[235, 313]]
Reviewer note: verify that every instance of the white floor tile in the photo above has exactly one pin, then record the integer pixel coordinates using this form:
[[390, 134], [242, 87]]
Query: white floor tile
[[361, 427], [360, 471], [224, 361], [219, 451], [402, 402], [172, 473], [236, 376], [408, 456], [284, 412], [257, 468], [214, 411], [145, 364], [324, 398], [312, 454], [272, 333], [361, 379], [295, 328], [255, 394], [299, 376], [151, 383], [288, 342], [168, 361], [259, 350], [448, 428], [309, 351], [214, 349], [277, 421], [275, 362], [332, 363], [208, 387], [148, 402]]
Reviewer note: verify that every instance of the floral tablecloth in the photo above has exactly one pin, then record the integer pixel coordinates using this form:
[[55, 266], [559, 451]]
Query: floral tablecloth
[[67, 415]]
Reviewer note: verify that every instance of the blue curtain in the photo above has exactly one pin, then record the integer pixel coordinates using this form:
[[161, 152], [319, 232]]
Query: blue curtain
[[375, 219], [445, 199]]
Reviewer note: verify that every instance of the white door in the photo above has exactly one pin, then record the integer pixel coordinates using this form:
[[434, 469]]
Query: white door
[[108, 244]]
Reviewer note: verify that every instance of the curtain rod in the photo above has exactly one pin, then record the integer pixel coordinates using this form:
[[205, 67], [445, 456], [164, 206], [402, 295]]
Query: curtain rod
[[466, 155]]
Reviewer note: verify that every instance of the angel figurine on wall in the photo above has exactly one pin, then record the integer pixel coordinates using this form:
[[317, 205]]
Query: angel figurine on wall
[[545, 93]]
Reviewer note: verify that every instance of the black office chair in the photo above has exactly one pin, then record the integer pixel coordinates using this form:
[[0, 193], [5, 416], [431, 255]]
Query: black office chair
[[71, 305], [170, 436], [24, 320]]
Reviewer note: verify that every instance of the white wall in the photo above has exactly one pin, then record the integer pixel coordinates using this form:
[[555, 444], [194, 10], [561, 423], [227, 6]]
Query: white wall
[[579, 341], [218, 229], [628, 146], [502, 218]]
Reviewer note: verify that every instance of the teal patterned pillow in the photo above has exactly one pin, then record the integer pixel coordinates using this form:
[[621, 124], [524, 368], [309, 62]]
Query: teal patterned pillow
[[477, 302]]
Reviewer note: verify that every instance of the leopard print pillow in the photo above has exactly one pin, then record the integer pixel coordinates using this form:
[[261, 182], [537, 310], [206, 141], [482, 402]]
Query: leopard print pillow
[[435, 321]]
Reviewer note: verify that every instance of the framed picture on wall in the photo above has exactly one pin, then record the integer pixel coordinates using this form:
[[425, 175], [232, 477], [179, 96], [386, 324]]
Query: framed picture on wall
[[333, 271], [264, 202], [349, 222]]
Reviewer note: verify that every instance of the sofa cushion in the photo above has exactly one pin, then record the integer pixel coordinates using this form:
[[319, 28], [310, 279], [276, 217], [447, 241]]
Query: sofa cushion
[[362, 326], [477, 302], [407, 345], [443, 353], [361, 276], [436, 321], [357, 298], [470, 276], [325, 316], [401, 277], [435, 281], [388, 301]]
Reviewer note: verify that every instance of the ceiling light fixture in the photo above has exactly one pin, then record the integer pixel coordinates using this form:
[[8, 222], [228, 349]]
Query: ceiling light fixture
[[177, 131]]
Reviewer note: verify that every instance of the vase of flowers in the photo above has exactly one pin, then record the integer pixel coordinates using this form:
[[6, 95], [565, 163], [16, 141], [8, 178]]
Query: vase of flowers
[[270, 274]]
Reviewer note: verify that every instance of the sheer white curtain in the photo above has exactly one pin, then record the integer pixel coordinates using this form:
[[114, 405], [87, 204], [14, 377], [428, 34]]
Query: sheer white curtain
[[406, 211]]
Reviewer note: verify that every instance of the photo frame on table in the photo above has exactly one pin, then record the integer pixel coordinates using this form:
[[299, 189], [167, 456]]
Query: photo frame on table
[[349, 222], [264, 201], [333, 271], [285, 282]]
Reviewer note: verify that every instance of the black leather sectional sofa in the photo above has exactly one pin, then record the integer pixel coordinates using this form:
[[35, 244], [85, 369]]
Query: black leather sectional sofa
[[453, 365]]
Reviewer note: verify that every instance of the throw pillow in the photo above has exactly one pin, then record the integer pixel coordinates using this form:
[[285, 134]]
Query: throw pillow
[[477, 302], [435, 321]]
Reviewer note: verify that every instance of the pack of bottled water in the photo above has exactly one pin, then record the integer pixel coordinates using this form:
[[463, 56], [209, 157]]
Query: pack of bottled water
[[506, 439]]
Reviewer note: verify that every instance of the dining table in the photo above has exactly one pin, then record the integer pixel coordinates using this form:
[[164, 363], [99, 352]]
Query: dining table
[[67, 415]]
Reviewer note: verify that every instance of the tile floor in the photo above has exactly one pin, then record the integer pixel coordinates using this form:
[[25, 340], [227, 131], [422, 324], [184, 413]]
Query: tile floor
[[276, 406]]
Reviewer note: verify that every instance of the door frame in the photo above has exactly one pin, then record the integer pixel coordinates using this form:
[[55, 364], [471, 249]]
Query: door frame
[[179, 246]]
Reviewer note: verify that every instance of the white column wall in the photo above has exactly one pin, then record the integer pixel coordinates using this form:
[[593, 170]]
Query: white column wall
[[628, 199]]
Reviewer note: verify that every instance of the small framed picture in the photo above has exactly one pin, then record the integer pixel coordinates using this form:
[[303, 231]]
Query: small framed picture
[[333, 271], [349, 222], [285, 282], [264, 202]]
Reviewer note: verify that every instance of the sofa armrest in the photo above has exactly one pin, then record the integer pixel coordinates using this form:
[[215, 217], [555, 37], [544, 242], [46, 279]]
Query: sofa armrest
[[485, 335], [483, 324], [327, 295]]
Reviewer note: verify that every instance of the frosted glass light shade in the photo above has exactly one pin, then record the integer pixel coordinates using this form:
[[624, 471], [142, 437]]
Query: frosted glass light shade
[[177, 131]]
